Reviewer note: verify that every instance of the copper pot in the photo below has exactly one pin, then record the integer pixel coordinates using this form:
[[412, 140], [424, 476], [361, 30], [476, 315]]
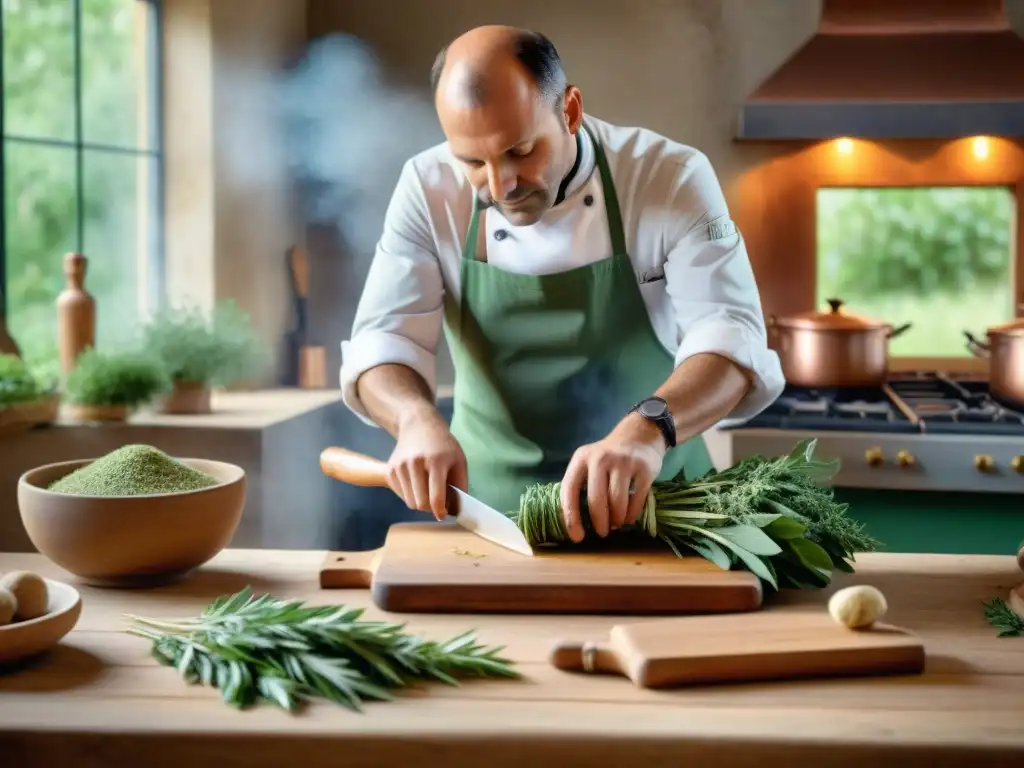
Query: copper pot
[[1005, 352], [834, 348]]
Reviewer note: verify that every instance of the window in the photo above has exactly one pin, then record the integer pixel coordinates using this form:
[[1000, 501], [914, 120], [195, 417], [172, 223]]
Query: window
[[80, 162], [940, 258]]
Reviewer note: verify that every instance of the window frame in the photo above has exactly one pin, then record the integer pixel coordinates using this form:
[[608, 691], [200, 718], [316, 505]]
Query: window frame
[[152, 199]]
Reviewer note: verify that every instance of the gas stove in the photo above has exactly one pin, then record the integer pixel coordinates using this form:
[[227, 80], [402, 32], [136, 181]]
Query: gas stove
[[924, 431]]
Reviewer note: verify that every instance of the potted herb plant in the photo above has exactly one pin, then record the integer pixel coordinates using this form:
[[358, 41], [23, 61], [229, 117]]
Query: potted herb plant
[[200, 353], [25, 399], [108, 386]]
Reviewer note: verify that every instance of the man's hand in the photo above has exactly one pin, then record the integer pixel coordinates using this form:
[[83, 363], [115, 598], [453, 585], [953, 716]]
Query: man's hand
[[628, 459], [426, 458]]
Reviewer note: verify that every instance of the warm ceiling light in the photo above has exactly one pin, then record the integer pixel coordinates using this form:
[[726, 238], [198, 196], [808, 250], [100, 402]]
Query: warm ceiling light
[[979, 145], [844, 146]]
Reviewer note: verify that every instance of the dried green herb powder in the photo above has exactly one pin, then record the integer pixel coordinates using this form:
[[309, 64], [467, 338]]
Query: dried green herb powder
[[133, 470]]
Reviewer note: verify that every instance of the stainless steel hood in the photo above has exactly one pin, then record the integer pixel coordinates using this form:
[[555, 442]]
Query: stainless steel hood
[[892, 69]]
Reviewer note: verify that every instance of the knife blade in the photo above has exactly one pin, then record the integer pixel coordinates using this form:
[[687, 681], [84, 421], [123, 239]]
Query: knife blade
[[468, 512]]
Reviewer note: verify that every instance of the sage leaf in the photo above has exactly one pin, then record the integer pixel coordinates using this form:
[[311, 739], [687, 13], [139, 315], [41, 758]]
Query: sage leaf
[[713, 552], [752, 561], [751, 538], [785, 528]]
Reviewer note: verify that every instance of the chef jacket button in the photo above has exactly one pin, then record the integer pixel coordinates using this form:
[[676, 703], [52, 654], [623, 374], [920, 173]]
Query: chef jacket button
[[500, 234], [588, 200]]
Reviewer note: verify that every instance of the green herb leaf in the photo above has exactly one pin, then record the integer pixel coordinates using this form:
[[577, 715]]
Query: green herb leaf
[[285, 652], [711, 551], [751, 538], [999, 614], [785, 528], [752, 561], [811, 555]]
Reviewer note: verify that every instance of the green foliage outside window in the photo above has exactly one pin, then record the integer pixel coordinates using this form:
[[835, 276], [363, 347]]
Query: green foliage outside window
[[937, 257], [42, 217]]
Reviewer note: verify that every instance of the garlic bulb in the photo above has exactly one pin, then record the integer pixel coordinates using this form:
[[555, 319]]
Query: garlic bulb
[[857, 607], [30, 592], [8, 605]]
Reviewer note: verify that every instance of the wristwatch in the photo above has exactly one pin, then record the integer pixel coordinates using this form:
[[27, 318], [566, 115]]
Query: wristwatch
[[655, 409]]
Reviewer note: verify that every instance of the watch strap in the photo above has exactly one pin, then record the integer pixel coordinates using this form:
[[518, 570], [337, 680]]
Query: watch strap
[[663, 420]]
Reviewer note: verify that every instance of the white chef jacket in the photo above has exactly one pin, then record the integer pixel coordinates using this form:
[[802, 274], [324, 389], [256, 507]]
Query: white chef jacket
[[688, 256]]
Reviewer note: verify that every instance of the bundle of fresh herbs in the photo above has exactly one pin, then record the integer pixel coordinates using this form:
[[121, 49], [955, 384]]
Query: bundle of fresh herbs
[[286, 652], [774, 517]]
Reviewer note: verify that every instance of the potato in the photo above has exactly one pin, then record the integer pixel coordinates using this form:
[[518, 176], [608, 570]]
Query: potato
[[8, 605], [29, 591], [857, 607]]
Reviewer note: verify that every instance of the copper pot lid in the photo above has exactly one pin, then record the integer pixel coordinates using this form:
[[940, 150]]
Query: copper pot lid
[[1013, 328], [835, 319]]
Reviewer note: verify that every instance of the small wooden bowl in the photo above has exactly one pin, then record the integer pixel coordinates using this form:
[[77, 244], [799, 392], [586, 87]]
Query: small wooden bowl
[[131, 541], [24, 639]]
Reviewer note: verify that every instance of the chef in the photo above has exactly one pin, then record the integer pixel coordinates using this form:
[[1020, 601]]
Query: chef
[[596, 297]]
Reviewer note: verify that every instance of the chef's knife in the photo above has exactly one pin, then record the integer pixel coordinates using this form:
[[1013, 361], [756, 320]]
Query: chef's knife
[[472, 514]]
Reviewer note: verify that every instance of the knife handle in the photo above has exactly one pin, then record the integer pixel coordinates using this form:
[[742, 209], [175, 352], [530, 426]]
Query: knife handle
[[354, 468]]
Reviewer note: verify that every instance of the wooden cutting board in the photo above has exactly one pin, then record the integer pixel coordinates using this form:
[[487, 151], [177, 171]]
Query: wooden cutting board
[[443, 568], [768, 645]]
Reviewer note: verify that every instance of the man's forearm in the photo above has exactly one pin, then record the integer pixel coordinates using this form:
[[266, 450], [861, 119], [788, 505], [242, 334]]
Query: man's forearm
[[700, 392], [393, 394]]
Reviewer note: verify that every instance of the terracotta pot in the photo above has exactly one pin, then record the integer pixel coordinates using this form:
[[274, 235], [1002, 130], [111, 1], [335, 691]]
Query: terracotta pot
[[1004, 349], [187, 397], [834, 348], [21, 417], [97, 412]]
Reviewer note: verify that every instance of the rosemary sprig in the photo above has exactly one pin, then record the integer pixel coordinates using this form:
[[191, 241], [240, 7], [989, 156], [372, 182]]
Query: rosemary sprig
[[286, 652], [999, 614]]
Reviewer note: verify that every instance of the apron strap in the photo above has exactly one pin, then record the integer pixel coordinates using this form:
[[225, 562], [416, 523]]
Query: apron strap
[[475, 246], [611, 199]]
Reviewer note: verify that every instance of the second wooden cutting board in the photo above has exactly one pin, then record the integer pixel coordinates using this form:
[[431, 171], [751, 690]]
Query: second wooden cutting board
[[443, 568], [769, 645]]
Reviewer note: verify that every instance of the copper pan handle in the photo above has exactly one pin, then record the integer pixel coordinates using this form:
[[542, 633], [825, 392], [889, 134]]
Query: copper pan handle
[[976, 347], [898, 330]]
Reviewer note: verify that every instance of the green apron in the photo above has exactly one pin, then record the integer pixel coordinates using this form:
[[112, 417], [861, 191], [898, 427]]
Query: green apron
[[545, 364]]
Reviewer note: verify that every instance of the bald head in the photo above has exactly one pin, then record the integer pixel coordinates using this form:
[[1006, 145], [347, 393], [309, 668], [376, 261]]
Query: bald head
[[509, 116], [495, 62]]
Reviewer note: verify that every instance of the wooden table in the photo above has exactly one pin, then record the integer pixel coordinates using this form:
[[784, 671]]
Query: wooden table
[[100, 700]]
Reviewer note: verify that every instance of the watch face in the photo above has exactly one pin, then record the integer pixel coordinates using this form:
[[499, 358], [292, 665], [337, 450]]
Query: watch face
[[652, 409]]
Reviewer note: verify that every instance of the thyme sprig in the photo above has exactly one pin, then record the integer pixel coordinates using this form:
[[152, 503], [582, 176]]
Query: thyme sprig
[[254, 648]]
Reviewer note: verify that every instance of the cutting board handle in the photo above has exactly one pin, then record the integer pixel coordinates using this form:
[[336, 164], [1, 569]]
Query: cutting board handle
[[354, 468], [575, 656], [349, 570]]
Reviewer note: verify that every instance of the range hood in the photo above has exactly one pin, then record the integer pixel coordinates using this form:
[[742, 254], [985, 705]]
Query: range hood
[[895, 69]]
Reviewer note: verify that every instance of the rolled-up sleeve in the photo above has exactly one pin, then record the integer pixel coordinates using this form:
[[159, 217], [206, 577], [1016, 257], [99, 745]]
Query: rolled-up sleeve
[[712, 289], [399, 317]]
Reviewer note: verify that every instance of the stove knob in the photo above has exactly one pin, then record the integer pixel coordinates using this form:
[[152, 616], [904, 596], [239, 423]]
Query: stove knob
[[874, 457], [983, 463], [1017, 464], [905, 459]]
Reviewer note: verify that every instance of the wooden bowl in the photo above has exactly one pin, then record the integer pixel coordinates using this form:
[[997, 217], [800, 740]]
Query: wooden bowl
[[24, 639], [131, 541]]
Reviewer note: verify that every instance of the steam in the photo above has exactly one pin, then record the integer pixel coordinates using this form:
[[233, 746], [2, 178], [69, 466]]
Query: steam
[[349, 133]]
